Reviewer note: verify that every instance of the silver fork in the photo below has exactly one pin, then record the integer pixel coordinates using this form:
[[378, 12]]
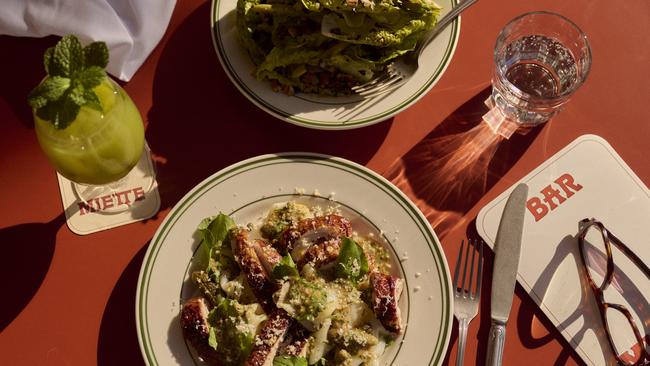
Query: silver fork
[[466, 299], [402, 69]]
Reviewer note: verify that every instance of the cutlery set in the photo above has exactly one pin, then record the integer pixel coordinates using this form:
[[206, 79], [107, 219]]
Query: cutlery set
[[506, 261]]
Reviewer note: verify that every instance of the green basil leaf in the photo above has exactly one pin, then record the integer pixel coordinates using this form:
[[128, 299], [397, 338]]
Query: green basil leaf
[[290, 361], [285, 268], [214, 230], [352, 263], [212, 338]]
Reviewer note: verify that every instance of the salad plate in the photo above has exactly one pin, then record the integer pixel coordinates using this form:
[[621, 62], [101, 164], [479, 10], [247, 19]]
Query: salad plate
[[245, 191], [323, 112]]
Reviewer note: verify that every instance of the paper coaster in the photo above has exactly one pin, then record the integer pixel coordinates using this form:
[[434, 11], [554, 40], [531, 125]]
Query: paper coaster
[[135, 199], [586, 179]]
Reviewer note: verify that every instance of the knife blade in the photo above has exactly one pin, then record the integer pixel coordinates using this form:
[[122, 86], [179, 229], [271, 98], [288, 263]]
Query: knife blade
[[507, 249]]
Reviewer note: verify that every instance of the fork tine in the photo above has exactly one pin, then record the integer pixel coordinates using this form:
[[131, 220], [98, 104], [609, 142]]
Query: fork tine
[[466, 289], [372, 83], [466, 301], [471, 270], [460, 256], [480, 268]]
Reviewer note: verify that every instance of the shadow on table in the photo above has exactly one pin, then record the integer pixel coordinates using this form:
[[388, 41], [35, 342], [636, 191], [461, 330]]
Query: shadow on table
[[27, 251], [118, 339], [449, 171], [199, 122]]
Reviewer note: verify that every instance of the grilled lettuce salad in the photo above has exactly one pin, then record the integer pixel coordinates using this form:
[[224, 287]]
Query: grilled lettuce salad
[[299, 288], [328, 46]]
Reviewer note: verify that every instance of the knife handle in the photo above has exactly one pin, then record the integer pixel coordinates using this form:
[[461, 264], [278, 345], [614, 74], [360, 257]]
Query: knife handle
[[496, 341]]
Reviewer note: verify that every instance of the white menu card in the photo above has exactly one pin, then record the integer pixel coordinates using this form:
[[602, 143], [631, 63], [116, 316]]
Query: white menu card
[[586, 179]]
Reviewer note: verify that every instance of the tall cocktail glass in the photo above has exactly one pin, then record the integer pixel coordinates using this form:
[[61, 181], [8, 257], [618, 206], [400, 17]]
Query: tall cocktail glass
[[89, 128], [98, 150]]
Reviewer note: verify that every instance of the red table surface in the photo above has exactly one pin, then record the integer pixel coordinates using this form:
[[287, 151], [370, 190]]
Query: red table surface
[[70, 300]]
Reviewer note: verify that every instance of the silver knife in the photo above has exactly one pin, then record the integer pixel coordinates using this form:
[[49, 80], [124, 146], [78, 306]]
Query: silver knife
[[506, 261]]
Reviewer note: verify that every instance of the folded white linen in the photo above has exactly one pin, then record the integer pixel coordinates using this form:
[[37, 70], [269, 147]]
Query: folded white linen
[[130, 28]]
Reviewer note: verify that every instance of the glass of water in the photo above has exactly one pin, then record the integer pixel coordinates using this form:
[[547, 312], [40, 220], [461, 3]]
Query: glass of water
[[541, 59]]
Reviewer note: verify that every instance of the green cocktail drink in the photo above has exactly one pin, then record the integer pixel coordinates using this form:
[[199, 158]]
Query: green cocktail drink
[[97, 147], [86, 124]]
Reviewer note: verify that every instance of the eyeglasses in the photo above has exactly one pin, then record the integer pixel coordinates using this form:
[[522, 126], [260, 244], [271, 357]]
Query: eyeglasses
[[596, 252]]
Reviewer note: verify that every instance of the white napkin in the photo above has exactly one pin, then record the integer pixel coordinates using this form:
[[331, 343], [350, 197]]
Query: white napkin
[[130, 28]]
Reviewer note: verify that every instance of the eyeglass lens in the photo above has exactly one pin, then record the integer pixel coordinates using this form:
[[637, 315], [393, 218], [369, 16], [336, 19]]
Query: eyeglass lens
[[623, 338], [595, 255]]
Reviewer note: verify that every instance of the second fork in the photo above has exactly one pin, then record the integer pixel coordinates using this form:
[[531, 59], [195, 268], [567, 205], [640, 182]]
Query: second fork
[[466, 296]]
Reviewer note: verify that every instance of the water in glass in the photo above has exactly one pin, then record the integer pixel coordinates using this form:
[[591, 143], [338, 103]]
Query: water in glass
[[540, 60]]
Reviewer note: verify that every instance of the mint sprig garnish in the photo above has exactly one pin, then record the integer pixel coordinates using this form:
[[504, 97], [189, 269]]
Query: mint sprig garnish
[[72, 73]]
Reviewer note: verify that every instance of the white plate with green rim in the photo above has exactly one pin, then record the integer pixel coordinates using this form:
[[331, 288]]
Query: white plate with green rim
[[245, 190], [329, 113]]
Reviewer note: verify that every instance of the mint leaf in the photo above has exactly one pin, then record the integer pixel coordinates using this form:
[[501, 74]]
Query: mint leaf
[[91, 76], [47, 111], [285, 268], [60, 112], [50, 89], [68, 57], [352, 263], [92, 100], [66, 114], [36, 101], [290, 361], [48, 58], [73, 72], [96, 54], [77, 95]]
